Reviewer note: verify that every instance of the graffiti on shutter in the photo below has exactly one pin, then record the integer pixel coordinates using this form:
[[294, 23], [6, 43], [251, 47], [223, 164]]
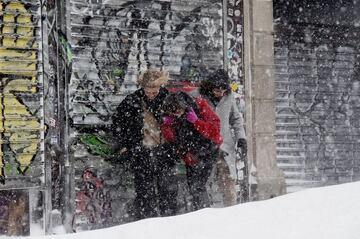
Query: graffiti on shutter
[[112, 42], [20, 96], [235, 40], [317, 99]]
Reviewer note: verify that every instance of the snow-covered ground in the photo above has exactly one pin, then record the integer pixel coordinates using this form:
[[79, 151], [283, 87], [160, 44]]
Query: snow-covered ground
[[328, 213]]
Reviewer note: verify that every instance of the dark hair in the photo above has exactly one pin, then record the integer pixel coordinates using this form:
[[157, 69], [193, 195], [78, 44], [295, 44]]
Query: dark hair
[[218, 79], [178, 100]]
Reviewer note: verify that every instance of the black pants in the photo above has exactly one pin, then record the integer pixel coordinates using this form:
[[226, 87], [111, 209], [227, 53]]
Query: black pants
[[156, 185], [197, 177]]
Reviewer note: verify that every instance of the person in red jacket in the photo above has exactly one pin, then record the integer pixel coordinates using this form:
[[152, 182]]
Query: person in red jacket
[[194, 128]]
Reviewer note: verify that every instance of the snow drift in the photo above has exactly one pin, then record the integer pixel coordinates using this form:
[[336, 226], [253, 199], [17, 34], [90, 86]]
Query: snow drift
[[330, 213]]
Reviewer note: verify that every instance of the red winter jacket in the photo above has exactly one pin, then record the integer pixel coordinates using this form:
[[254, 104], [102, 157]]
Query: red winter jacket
[[207, 124]]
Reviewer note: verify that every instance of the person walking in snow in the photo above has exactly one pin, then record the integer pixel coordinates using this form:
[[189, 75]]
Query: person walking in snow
[[194, 128], [215, 89], [136, 127]]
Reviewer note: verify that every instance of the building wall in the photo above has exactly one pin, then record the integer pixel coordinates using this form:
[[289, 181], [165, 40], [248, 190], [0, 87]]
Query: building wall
[[65, 66], [22, 127], [57, 97], [317, 92]]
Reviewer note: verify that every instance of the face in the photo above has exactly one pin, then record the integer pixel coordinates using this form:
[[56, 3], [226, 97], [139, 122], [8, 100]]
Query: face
[[219, 93], [151, 92]]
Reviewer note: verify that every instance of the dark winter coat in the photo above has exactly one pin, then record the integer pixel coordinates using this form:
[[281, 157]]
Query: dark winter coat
[[128, 118], [153, 167], [199, 138]]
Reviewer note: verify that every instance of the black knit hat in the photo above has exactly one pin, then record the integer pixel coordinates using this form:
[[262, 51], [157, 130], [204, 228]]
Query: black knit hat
[[219, 79], [178, 100], [173, 102]]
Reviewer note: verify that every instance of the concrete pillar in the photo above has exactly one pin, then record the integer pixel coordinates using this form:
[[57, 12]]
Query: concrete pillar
[[260, 95]]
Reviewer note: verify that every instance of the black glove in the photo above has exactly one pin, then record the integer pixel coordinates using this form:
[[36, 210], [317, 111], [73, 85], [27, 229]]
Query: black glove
[[242, 144]]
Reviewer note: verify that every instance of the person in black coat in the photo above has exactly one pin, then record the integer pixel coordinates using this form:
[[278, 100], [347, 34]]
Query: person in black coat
[[136, 127], [194, 129]]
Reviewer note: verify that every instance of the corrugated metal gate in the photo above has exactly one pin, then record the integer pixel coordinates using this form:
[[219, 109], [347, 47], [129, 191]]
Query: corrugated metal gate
[[112, 42], [89, 70], [317, 104], [22, 164]]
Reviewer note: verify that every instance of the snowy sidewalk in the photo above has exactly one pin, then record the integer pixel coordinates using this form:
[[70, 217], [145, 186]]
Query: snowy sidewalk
[[320, 213]]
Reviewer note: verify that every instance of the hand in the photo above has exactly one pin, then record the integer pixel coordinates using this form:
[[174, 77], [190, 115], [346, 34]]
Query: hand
[[168, 120], [191, 116], [242, 144]]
